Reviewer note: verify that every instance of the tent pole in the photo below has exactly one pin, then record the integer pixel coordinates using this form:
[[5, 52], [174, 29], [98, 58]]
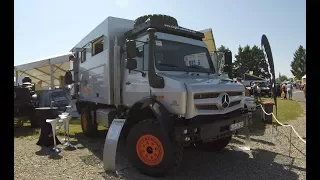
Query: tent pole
[[51, 75], [17, 78]]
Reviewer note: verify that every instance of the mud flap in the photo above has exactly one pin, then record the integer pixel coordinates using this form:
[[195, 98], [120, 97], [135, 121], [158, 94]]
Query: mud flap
[[110, 145]]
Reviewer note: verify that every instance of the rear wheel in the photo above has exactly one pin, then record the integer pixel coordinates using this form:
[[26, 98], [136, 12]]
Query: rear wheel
[[217, 145], [150, 151], [88, 124]]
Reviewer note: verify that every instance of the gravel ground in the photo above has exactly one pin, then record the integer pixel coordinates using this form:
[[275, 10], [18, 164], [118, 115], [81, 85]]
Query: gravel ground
[[267, 160]]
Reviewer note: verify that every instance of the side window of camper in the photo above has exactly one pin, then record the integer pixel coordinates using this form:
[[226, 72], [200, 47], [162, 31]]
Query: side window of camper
[[83, 55], [139, 58], [97, 46]]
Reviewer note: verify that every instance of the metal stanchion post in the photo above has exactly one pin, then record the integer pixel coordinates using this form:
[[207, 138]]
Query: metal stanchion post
[[290, 142], [272, 126], [247, 132]]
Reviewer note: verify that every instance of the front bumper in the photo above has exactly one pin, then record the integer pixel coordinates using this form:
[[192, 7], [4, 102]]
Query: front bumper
[[209, 128]]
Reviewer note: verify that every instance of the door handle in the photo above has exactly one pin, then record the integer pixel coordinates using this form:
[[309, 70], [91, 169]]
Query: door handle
[[128, 83]]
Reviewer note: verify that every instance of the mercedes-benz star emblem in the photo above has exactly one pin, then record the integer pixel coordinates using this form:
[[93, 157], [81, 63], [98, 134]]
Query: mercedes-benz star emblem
[[225, 101]]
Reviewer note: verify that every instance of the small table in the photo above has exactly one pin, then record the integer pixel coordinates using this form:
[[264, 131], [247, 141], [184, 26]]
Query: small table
[[46, 135]]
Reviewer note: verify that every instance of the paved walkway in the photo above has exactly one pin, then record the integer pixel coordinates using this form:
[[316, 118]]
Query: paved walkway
[[299, 96]]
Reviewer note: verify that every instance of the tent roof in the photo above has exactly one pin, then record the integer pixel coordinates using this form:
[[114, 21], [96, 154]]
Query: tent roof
[[40, 69]]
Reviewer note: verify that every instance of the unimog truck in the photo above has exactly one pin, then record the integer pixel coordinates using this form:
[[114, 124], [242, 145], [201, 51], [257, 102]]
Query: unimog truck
[[160, 78]]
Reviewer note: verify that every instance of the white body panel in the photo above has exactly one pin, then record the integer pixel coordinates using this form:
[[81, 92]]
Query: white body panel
[[96, 74]]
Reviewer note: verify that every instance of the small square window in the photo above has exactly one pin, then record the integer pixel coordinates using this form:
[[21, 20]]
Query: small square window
[[97, 46]]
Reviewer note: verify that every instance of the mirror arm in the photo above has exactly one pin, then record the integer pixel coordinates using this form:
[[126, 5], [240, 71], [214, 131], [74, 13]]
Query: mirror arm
[[144, 42]]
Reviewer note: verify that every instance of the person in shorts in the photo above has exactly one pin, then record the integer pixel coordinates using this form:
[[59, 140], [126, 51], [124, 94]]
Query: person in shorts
[[289, 89]]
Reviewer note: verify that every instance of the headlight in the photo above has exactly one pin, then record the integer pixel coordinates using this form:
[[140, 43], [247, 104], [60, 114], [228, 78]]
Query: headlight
[[250, 101]]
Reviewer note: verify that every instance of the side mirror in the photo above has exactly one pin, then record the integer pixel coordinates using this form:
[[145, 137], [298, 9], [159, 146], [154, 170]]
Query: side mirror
[[131, 64], [228, 58], [131, 49], [228, 63]]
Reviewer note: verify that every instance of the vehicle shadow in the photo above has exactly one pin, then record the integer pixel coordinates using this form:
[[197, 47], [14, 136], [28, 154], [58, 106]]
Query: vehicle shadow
[[256, 127], [196, 164]]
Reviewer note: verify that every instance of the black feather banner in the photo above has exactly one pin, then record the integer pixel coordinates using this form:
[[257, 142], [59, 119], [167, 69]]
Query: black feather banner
[[268, 53]]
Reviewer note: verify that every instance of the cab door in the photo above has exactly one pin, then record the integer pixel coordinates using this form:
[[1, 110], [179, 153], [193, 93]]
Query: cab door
[[135, 85]]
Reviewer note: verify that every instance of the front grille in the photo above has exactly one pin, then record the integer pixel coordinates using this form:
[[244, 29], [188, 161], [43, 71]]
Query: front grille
[[234, 103], [234, 93], [206, 107], [214, 95], [206, 95]]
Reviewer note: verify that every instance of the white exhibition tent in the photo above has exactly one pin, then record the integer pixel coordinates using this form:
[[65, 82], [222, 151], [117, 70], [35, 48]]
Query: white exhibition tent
[[304, 79], [48, 70]]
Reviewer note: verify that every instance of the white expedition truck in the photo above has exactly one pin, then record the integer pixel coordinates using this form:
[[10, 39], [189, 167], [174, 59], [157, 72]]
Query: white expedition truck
[[142, 73]]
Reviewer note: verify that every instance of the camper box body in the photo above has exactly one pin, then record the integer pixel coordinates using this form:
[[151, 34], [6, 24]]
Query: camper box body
[[97, 71]]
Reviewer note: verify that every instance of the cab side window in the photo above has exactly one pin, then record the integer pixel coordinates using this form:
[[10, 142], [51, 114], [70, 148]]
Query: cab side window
[[139, 58], [142, 58]]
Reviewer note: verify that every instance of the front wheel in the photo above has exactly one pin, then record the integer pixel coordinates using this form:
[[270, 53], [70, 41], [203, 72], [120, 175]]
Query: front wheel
[[151, 151]]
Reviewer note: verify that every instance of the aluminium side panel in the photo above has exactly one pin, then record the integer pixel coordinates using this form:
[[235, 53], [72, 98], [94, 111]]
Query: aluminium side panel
[[116, 29], [96, 74]]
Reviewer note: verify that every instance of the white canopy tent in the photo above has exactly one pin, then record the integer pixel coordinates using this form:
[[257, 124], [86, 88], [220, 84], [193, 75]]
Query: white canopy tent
[[304, 79], [48, 70]]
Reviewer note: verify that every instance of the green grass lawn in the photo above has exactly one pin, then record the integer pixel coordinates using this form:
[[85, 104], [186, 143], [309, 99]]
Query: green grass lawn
[[287, 109], [25, 131]]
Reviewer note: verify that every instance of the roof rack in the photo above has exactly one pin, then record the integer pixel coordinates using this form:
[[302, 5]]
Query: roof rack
[[161, 26]]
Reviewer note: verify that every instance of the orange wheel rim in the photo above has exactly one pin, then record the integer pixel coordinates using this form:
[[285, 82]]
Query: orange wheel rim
[[150, 150], [84, 121]]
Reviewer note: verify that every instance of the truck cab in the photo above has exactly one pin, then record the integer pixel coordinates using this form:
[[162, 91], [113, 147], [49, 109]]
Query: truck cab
[[162, 80]]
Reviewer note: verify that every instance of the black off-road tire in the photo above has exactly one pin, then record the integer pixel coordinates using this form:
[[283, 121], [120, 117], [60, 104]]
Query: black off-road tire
[[172, 151], [217, 145], [88, 123], [158, 17]]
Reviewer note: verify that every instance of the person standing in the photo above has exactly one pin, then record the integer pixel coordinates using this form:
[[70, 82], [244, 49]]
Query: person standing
[[258, 91], [289, 89], [284, 90], [305, 91]]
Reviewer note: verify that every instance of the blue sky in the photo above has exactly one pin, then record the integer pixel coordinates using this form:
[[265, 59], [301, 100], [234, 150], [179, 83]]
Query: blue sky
[[45, 28]]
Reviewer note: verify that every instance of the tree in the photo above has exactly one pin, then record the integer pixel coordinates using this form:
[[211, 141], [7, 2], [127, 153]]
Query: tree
[[250, 59], [282, 78], [222, 48], [298, 64]]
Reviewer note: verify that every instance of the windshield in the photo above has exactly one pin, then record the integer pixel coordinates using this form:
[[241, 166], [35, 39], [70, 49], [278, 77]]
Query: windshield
[[262, 84], [175, 56]]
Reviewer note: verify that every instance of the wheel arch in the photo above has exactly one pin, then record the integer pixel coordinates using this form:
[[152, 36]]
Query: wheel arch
[[149, 108]]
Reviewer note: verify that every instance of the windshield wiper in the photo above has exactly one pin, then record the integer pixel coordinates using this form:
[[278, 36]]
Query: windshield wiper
[[199, 67], [173, 65]]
